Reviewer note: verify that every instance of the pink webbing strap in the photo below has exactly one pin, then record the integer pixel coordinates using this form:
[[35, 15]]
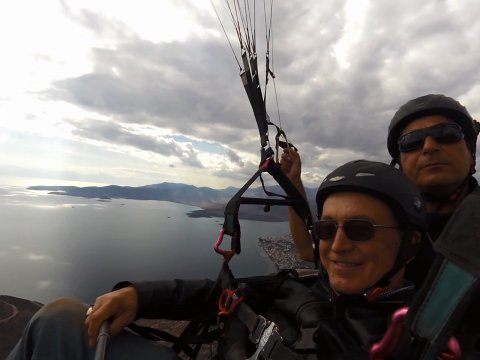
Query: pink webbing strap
[[391, 339]]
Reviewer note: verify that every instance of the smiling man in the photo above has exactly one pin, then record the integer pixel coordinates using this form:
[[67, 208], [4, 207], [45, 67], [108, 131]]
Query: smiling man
[[353, 266]]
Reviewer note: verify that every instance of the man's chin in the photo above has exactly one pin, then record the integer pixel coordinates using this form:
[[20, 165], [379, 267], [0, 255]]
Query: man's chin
[[346, 290], [438, 187]]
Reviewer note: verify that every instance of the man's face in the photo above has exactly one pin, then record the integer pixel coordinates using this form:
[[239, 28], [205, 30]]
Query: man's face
[[436, 168], [353, 266]]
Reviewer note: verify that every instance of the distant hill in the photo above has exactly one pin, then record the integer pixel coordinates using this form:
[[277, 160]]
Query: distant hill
[[211, 201]]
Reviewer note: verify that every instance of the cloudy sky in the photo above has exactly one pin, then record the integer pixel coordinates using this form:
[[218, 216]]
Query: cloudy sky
[[97, 92]]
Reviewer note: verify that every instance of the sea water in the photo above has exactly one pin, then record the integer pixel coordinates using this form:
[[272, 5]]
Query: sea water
[[55, 246]]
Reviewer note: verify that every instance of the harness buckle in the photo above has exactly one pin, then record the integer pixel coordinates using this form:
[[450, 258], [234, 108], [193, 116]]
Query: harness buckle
[[259, 329], [271, 342], [270, 337], [228, 301]]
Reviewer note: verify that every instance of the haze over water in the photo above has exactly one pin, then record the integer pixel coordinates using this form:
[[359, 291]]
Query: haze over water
[[55, 246]]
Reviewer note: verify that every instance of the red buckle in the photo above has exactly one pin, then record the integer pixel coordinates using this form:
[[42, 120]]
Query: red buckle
[[228, 301], [263, 166]]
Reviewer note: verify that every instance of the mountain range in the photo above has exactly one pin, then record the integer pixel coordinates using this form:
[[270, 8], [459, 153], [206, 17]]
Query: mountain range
[[210, 201]]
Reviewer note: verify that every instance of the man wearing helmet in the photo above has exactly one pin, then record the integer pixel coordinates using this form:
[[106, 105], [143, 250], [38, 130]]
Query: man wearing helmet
[[368, 229], [433, 139]]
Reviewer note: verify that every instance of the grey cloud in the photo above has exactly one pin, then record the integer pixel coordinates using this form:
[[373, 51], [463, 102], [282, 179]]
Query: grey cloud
[[403, 50], [100, 25], [233, 156], [115, 133], [190, 157], [350, 108]]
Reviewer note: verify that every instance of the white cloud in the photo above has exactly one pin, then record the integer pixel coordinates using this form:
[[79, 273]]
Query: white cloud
[[38, 257], [44, 284]]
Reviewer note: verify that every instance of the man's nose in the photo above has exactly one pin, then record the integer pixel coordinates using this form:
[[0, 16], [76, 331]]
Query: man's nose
[[341, 242], [429, 144]]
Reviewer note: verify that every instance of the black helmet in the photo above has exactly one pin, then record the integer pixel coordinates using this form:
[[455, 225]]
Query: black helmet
[[381, 181], [432, 104]]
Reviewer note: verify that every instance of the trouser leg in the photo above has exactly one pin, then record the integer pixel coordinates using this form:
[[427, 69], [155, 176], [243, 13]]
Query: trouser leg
[[57, 331]]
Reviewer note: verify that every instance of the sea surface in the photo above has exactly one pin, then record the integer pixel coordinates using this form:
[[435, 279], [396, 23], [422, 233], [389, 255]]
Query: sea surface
[[55, 246]]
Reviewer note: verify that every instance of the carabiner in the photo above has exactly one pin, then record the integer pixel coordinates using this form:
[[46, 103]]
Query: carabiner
[[227, 254], [228, 301]]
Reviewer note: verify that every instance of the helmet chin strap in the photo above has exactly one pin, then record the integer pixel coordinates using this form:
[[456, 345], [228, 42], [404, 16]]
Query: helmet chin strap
[[405, 252]]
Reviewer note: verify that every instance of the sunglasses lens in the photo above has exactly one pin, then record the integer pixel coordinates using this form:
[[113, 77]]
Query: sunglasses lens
[[447, 133], [358, 230], [326, 229], [411, 141]]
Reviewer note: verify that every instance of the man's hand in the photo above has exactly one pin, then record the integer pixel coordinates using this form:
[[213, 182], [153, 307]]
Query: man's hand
[[291, 165], [120, 306]]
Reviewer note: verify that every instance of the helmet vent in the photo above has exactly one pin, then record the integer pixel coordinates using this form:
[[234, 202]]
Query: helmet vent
[[336, 178], [364, 174], [417, 204]]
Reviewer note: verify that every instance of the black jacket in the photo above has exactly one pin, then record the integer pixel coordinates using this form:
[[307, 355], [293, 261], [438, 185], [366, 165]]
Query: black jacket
[[419, 267], [312, 322]]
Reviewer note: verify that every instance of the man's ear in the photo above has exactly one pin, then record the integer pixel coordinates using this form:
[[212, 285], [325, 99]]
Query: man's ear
[[398, 160]]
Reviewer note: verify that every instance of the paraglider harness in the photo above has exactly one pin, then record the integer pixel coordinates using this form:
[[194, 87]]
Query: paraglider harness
[[226, 293]]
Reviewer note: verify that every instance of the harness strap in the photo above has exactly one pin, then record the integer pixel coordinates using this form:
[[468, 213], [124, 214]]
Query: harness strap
[[263, 333], [197, 332], [252, 87], [271, 347], [293, 198]]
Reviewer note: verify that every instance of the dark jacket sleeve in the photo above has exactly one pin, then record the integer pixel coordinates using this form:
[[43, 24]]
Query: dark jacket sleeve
[[172, 299]]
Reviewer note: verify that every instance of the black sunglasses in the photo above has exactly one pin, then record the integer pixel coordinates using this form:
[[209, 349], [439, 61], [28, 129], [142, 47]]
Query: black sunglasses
[[445, 133], [355, 229]]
